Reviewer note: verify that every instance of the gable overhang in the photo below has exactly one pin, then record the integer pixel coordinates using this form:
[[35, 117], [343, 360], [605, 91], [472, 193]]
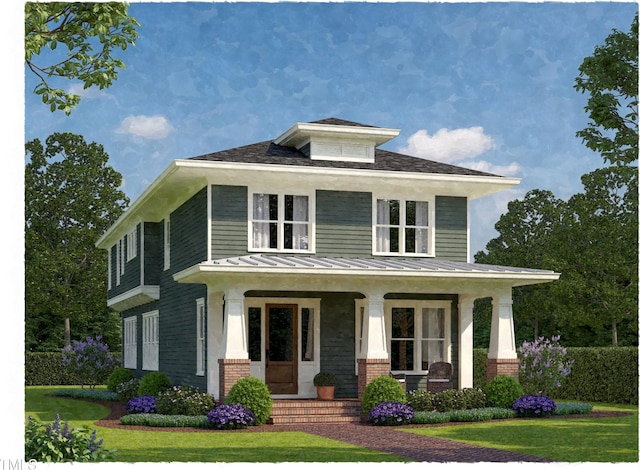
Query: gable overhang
[[340, 274], [184, 178], [303, 132]]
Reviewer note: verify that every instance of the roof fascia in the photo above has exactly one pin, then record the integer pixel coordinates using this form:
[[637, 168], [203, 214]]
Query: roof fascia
[[301, 132]]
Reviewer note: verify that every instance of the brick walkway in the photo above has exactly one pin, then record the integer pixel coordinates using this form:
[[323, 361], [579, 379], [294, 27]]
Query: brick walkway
[[411, 446]]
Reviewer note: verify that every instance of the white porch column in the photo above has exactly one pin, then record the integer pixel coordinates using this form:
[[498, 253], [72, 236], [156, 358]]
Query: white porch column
[[465, 341], [375, 338], [214, 340], [502, 344], [234, 333]]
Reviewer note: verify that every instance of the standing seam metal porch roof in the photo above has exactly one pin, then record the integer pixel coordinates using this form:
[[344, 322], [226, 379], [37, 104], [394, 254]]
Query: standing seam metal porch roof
[[364, 266]]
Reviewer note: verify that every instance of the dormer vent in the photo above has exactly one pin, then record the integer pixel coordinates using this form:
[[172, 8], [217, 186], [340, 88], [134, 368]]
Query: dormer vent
[[346, 143]]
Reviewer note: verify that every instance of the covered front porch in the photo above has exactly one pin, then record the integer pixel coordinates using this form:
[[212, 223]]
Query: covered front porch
[[285, 318]]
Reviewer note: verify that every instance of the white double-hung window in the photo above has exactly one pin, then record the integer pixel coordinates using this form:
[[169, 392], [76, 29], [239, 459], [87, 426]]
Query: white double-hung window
[[403, 227], [280, 222], [130, 349], [200, 337], [420, 334], [150, 341]]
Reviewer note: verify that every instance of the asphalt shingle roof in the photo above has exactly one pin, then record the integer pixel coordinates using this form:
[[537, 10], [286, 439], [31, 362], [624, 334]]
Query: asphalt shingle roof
[[268, 153]]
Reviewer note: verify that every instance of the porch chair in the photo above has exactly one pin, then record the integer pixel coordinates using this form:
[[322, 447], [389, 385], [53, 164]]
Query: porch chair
[[439, 377]]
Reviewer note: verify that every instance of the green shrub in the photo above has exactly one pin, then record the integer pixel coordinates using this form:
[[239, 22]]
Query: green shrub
[[153, 383], [127, 390], [118, 376], [420, 400], [470, 415], [429, 417], [46, 368], [165, 421], [448, 400], [503, 391], [502, 413], [382, 389], [184, 400], [56, 442], [474, 398], [252, 393], [480, 368], [572, 408]]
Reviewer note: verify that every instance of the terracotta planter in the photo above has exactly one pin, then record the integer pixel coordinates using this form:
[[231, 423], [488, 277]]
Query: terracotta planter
[[325, 392]]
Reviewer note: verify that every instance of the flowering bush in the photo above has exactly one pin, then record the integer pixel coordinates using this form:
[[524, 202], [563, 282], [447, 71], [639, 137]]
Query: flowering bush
[[55, 442], [420, 400], [391, 413], [231, 416], [127, 390], [89, 361], [534, 406], [142, 404], [543, 365], [184, 400]]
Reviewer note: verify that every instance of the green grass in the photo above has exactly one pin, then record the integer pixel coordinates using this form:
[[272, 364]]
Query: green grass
[[562, 440], [165, 446]]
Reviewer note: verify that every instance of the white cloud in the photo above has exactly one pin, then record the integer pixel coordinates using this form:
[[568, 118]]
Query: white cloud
[[148, 127], [91, 92], [482, 165], [448, 145]]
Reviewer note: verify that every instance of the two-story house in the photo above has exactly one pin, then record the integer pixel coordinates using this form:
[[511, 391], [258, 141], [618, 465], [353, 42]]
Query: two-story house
[[313, 251]]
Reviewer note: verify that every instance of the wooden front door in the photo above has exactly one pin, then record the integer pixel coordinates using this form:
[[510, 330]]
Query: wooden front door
[[281, 372]]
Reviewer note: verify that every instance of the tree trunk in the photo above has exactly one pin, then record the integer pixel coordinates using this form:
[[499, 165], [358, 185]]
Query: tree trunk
[[67, 332], [614, 333]]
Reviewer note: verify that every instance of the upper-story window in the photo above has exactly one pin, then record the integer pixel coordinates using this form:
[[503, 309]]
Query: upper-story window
[[132, 245], [280, 222], [403, 227]]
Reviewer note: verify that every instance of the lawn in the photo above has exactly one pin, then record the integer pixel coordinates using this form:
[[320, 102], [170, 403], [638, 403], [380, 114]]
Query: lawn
[[162, 446], [562, 440]]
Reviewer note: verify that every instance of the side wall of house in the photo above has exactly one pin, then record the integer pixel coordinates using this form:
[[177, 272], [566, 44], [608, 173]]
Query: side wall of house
[[228, 221], [130, 278], [177, 304], [343, 224], [451, 228]]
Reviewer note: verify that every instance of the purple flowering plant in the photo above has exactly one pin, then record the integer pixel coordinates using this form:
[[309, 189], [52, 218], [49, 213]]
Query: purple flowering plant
[[141, 404], [534, 406], [232, 416], [391, 413], [89, 361], [543, 365]]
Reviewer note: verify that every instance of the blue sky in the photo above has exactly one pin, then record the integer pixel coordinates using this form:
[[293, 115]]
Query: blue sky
[[483, 85]]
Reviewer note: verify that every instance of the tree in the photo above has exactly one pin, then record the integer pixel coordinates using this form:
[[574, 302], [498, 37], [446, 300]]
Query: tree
[[524, 233], [80, 27], [596, 249], [610, 76], [71, 198]]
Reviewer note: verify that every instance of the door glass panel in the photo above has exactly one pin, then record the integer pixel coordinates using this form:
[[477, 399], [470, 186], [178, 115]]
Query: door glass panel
[[307, 334], [255, 330], [281, 334]]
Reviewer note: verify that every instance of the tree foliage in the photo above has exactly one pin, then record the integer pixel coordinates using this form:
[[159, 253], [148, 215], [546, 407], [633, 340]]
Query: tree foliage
[[610, 77], [71, 198], [78, 27]]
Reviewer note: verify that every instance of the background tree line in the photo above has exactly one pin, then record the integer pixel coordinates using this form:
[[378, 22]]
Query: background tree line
[[592, 238]]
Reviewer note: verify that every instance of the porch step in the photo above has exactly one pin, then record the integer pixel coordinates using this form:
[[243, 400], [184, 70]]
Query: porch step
[[315, 411]]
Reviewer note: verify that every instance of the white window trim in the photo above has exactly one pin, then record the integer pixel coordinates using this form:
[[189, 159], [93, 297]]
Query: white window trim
[[130, 343], [431, 242], [151, 340], [167, 243], [281, 196], [418, 305], [109, 269], [201, 334], [132, 246]]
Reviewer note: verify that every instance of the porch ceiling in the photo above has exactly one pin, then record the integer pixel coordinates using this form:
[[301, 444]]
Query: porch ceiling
[[421, 268]]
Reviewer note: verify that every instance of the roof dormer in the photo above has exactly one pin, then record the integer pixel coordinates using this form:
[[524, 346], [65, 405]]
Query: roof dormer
[[346, 141]]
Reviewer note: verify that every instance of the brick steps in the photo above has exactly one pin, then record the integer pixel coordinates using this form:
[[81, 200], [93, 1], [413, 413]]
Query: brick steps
[[315, 411]]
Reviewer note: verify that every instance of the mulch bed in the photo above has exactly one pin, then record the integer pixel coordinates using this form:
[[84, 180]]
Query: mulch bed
[[118, 409]]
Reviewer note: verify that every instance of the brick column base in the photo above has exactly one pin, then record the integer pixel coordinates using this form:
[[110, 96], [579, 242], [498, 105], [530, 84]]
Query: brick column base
[[232, 370], [369, 369], [508, 367]]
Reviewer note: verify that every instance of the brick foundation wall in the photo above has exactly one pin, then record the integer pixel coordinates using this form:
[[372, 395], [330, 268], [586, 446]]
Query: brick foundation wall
[[369, 369], [508, 367], [232, 370]]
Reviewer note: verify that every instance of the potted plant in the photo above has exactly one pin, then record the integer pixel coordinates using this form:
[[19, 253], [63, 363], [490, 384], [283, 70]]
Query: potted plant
[[325, 385]]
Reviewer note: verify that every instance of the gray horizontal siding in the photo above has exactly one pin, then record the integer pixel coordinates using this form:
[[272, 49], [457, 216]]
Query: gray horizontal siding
[[343, 224], [189, 232], [451, 228], [131, 277], [228, 221], [153, 252]]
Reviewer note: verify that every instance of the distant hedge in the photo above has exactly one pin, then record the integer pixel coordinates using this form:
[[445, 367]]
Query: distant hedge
[[45, 368], [602, 375]]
